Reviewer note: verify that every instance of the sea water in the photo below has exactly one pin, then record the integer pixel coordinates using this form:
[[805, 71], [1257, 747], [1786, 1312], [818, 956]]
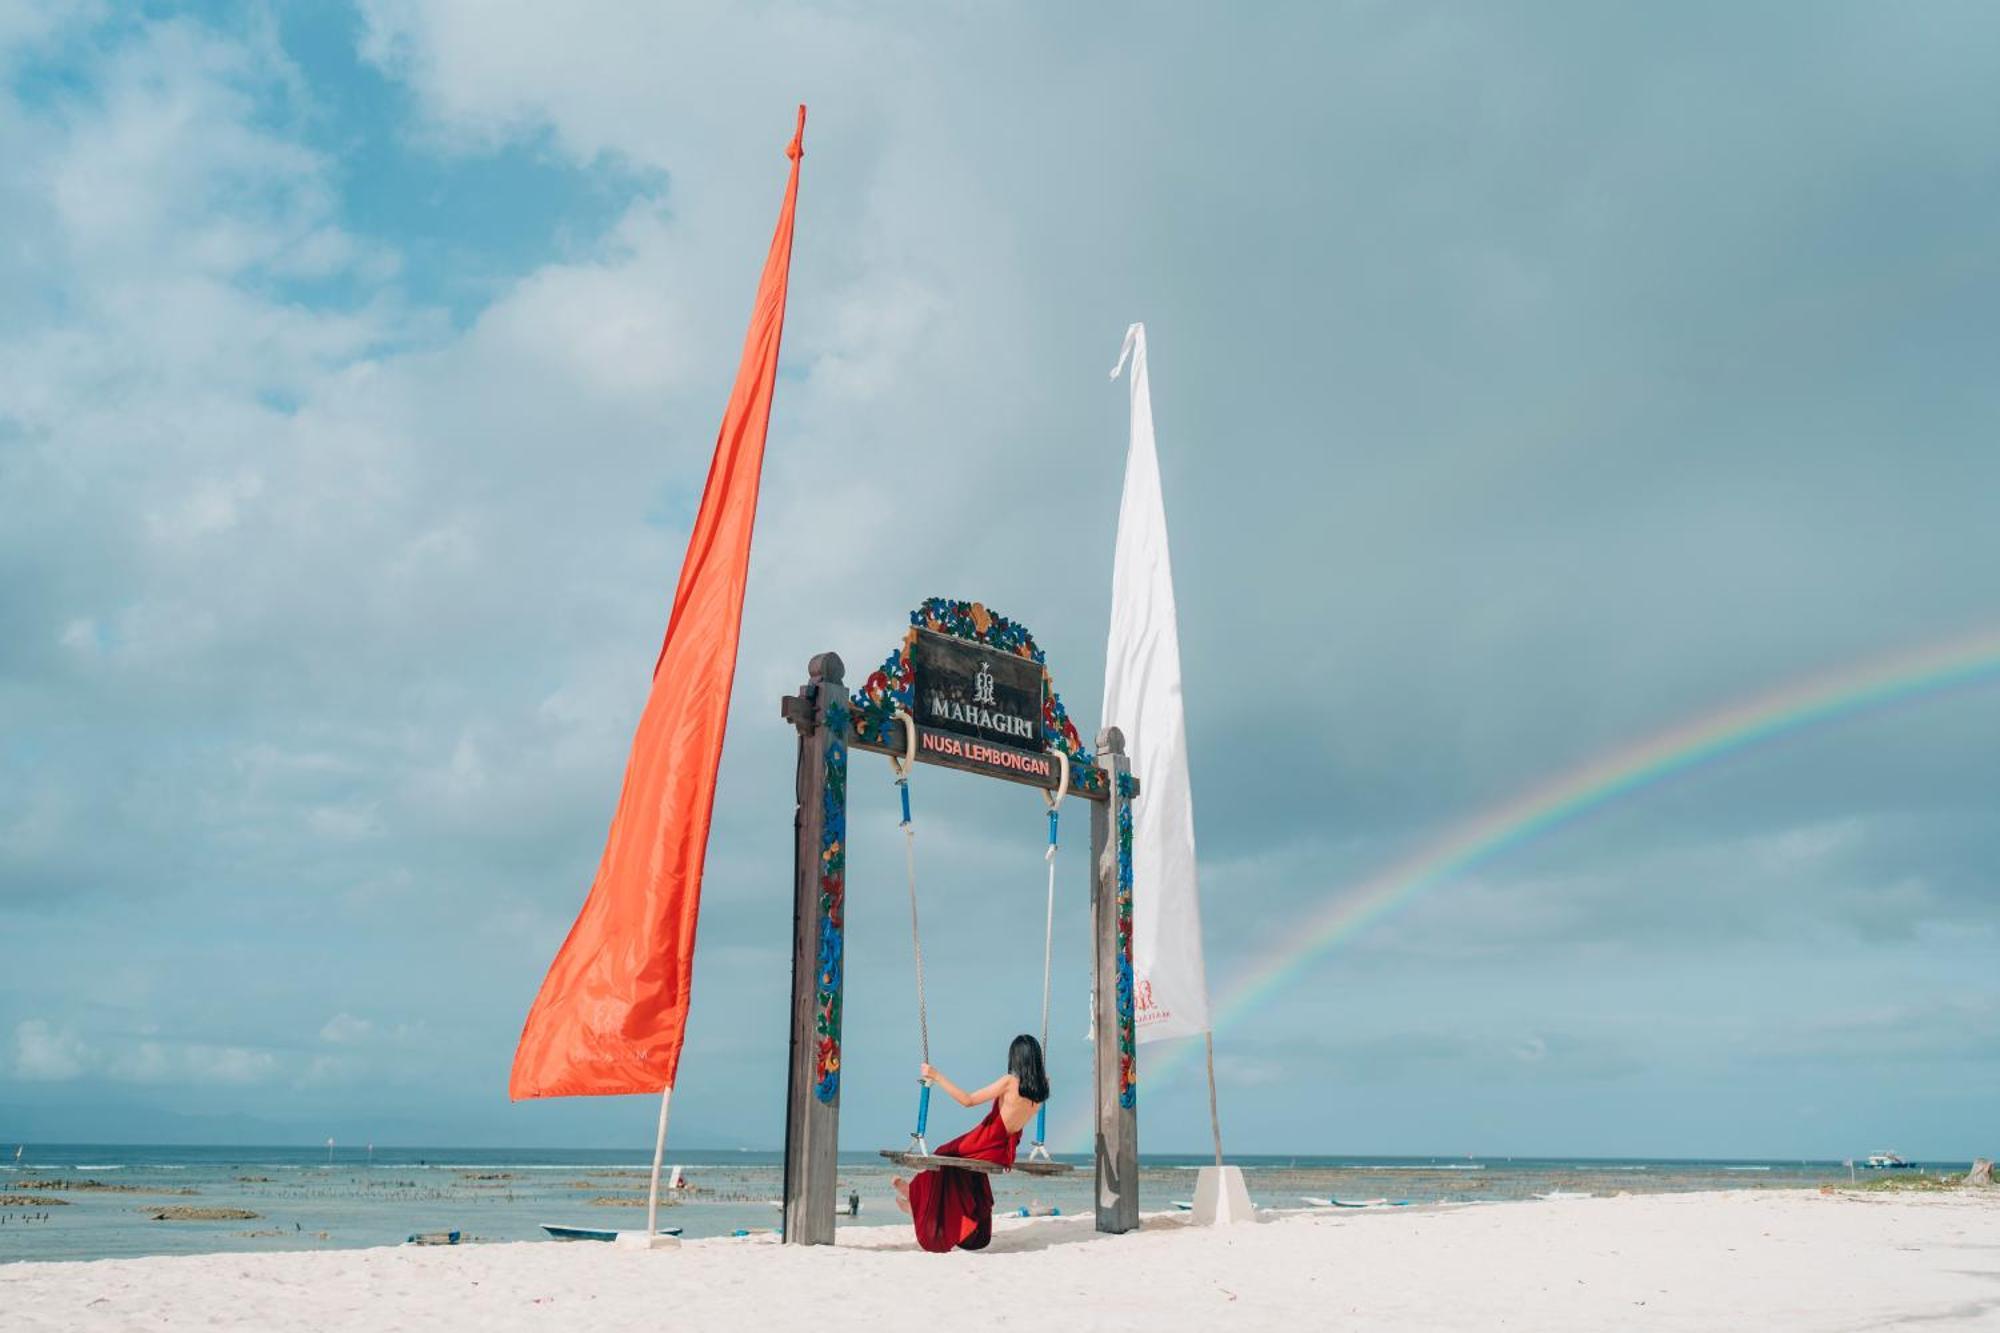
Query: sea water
[[304, 1199]]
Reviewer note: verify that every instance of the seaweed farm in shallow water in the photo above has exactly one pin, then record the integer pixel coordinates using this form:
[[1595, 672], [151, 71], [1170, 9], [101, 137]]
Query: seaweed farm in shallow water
[[99, 1201]]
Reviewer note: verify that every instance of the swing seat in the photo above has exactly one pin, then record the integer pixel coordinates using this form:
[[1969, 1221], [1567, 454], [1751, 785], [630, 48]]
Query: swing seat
[[1037, 1167], [917, 1161], [926, 1161]]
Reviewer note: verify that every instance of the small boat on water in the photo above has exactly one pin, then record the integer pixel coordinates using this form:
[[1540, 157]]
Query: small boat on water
[[593, 1233], [1312, 1202], [433, 1238], [1886, 1161]]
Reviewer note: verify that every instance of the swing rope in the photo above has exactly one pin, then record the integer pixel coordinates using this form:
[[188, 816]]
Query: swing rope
[[1038, 1151], [902, 765]]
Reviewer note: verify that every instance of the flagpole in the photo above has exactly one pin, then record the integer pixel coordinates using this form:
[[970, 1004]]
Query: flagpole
[[1214, 1120], [660, 1149]]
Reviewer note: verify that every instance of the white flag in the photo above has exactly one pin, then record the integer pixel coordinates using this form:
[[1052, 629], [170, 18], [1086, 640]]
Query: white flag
[[1142, 696]]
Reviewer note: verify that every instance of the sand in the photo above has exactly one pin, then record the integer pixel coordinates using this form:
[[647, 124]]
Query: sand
[[1745, 1259]]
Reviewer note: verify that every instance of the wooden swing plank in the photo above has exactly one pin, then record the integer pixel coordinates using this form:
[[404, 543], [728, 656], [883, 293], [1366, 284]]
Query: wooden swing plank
[[1023, 1165], [926, 1161], [1037, 1167]]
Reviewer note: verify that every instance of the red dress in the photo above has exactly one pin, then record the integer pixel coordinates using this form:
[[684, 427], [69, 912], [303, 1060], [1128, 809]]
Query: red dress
[[953, 1207]]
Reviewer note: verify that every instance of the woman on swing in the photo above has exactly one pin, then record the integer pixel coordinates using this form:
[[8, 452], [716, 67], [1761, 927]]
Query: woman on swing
[[953, 1207]]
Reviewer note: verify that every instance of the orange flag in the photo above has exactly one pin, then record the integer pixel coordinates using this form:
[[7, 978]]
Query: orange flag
[[612, 1012]]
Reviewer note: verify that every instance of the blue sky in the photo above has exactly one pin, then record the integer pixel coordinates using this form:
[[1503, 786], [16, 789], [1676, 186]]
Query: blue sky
[[1526, 385]]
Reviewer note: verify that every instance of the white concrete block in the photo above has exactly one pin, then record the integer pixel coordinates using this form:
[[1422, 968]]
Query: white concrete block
[[1221, 1197], [639, 1240]]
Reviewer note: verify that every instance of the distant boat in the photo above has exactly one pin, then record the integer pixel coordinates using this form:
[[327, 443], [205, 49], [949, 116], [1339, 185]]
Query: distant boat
[[1312, 1202], [1887, 1161], [593, 1233], [433, 1238]]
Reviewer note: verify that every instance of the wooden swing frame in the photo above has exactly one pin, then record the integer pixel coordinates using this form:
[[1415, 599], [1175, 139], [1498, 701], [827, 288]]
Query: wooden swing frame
[[828, 726]]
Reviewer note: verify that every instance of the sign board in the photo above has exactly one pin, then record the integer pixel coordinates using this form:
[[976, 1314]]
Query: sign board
[[972, 691], [974, 684], [985, 757]]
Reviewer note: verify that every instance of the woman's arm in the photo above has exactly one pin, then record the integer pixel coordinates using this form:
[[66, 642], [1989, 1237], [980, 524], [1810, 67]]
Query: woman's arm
[[960, 1095]]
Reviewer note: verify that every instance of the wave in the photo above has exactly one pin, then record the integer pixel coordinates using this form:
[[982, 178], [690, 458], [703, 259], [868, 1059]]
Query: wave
[[106, 1166], [581, 1168], [1746, 1168], [1447, 1166]]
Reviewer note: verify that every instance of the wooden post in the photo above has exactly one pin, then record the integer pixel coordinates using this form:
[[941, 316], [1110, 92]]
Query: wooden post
[[1117, 1049], [819, 891]]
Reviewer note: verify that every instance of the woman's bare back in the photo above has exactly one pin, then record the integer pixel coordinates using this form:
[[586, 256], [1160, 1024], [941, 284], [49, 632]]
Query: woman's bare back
[[1015, 1110]]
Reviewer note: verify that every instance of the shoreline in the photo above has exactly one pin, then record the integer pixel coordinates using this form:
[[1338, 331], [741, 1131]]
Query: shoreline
[[1791, 1258]]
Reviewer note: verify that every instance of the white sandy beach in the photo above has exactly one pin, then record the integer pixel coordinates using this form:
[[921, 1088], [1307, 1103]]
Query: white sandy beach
[[1748, 1259]]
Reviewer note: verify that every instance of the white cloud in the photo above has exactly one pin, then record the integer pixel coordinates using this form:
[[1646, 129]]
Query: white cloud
[[346, 1030], [46, 1054], [600, 74], [614, 326], [175, 168], [344, 823], [325, 1069], [197, 1063], [81, 636], [24, 23], [211, 507], [227, 1064]]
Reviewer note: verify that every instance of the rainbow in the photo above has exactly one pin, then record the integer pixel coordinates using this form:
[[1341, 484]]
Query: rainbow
[[1877, 684]]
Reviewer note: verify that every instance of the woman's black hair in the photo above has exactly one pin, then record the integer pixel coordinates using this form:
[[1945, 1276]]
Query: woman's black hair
[[1024, 1062]]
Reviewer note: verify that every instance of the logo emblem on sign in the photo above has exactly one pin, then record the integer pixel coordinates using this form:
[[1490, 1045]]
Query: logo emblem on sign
[[982, 687]]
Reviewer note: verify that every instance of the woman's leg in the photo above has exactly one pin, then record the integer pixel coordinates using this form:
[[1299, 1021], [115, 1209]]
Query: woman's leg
[[902, 1193]]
